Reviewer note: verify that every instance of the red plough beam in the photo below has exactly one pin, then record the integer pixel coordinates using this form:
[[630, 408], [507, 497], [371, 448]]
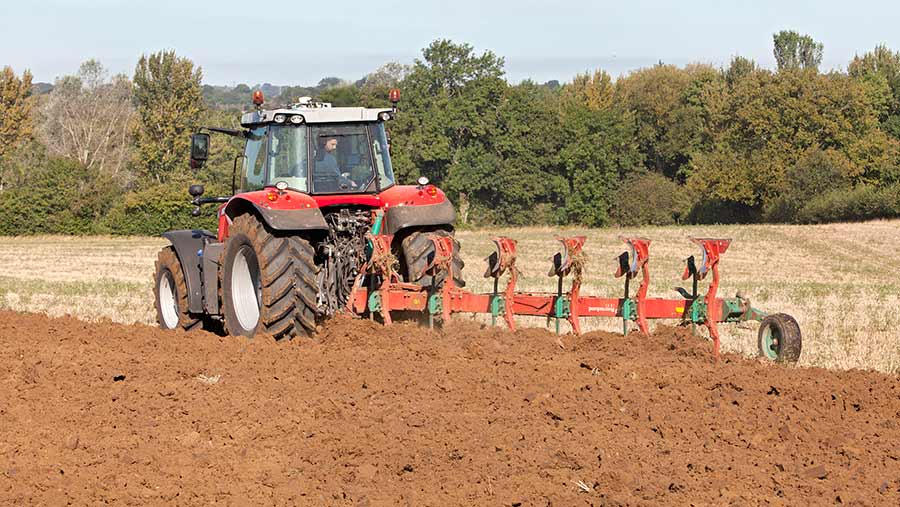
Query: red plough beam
[[563, 305]]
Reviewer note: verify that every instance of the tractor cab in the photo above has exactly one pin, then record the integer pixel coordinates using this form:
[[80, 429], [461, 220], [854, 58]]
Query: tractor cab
[[309, 147], [317, 149]]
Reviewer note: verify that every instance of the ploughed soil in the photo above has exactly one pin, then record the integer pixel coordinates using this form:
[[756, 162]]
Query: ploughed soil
[[367, 415]]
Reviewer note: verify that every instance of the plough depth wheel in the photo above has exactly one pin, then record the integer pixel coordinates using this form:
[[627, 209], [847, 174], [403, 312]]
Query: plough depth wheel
[[779, 338]]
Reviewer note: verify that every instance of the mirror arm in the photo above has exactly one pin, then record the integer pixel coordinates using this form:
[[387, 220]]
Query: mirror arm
[[228, 132], [197, 201]]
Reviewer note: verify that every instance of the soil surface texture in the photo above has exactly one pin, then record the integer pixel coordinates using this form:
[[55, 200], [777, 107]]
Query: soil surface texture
[[363, 415]]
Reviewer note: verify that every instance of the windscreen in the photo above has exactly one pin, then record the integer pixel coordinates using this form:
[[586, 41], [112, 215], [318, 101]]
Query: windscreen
[[342, 161], [288, 156]]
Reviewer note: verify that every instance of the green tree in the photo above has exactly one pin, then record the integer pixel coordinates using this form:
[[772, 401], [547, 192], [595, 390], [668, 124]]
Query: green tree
[[169, 105], [514, 176], [450, 102], [374, 88], [15, 110], [794, 51], [739, 68], [72, 199], [598, 150], [16, 169], [879, 71], [649, 198], [593, 91], [816, 173], [762, 126], [668, 105], [341, 96]]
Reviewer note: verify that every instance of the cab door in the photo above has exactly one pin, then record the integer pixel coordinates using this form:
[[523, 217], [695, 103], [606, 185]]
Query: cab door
[[253, 173]]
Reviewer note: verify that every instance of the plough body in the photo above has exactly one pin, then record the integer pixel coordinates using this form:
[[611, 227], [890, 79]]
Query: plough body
[[505, 302]]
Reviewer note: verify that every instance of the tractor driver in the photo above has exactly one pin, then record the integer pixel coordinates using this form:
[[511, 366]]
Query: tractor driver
[[328, 164], [327, 167]]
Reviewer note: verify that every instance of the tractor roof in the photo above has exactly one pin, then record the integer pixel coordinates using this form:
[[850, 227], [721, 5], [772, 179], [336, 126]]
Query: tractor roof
[[315, 115]]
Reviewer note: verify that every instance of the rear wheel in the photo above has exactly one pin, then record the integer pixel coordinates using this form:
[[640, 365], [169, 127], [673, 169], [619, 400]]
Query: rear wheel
[[256, 281], [418, 254], [305, 286], [170, 290], [779, 338]]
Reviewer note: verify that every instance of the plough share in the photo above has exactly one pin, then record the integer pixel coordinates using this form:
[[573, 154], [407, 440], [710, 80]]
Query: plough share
[[779, 334]]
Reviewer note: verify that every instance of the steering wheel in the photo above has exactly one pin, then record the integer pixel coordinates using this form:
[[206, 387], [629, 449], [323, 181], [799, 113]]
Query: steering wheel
[[345, 183]]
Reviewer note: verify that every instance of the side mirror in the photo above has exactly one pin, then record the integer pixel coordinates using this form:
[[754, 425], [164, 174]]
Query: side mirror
[[199, 150]]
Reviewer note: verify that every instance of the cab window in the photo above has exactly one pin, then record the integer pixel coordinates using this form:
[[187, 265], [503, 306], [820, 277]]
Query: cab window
[[342, 160], [254, 171], [288, 156], [381, 148]]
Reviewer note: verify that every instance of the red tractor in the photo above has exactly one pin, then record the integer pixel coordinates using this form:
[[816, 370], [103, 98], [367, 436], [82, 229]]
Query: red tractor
[[292, 240]]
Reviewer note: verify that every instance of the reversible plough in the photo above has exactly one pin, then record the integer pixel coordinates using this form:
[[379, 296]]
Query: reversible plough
[[779, 336]]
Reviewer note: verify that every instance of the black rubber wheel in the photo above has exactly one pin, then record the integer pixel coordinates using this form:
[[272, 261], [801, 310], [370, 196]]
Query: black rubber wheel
[[305, 286], [256, 281], [418, 253], [779, 338], [170, 291]]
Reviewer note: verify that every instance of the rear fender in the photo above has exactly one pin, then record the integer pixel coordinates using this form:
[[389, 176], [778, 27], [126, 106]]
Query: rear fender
[[302, 219], [189, 246], [398, 218]]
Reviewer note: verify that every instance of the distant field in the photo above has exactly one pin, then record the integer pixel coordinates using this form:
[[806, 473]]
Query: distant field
[[839, 281]]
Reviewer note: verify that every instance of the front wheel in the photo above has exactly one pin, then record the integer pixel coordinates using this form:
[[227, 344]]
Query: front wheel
[[779, 338], [170, 290]]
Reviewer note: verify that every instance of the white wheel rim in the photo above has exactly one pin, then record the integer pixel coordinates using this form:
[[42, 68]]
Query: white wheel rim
[[168, 307], [245, 290]]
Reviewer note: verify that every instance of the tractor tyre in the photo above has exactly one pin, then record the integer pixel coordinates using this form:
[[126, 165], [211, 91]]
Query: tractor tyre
[[418, 254], [779, 338], [170, 290], [306, 288], [256, 281]]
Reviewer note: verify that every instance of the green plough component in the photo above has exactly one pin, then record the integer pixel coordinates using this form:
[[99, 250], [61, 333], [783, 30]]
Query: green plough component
[[375, 302], [698, 312], [498, 306], [435, 304], [754, 314], [629, 312], [562, 308], [732, 311]]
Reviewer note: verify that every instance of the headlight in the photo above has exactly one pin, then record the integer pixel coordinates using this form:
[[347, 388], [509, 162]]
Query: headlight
[[279, 118], [384, 116], [281, 186], [422, 181], [297, 119]]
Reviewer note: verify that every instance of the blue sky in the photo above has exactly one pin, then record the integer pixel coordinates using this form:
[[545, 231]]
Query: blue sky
[[284, 42]]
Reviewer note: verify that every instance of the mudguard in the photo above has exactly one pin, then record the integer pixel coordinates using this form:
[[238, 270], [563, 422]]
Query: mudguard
[[189, 246], [280, 219], [401, 217]]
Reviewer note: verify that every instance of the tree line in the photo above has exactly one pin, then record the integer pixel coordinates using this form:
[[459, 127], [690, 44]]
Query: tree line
[[660, 145]]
